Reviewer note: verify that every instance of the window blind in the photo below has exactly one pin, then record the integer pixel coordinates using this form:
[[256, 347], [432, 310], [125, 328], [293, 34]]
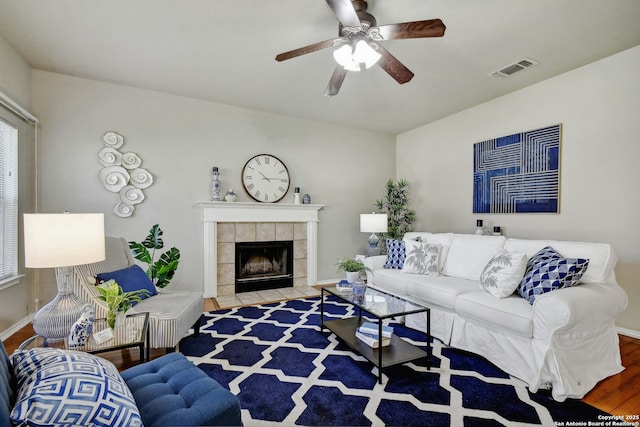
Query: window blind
[[8, 200]]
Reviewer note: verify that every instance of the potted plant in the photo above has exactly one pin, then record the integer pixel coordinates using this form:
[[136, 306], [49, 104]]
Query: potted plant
[[395, 205], [352, 268], [160, 271], [117, 300]]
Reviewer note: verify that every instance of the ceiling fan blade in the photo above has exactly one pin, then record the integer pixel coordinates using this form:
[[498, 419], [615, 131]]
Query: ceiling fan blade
[[335, 82], [345, 12], [412, 30], [307, 49], [393, 67]]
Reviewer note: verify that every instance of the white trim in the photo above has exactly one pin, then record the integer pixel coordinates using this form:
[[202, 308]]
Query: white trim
[[10, 281], [16, 108], [629, 332], [215, 212]]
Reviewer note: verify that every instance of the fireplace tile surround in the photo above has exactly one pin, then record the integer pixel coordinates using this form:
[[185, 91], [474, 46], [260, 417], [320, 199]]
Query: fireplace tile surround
[[225, 223]]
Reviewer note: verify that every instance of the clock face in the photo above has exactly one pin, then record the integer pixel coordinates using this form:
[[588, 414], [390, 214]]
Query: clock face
[[265, 178]]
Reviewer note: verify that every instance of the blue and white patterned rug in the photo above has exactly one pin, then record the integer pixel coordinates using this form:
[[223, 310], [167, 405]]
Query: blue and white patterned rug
[[285, 372]]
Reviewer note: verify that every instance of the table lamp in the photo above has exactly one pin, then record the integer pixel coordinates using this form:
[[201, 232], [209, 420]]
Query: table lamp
[[373, 223], [61, 241]]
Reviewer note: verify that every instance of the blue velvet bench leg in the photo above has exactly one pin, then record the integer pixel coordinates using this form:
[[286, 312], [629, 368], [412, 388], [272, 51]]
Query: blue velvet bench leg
[[172, 391]]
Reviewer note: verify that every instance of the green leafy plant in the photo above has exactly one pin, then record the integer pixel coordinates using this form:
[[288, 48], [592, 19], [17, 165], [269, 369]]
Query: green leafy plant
[[351, 265], [395, 205], [117, 300], [160, 271]]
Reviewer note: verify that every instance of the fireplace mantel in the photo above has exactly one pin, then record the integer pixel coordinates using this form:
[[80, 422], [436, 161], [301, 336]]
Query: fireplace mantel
[[215, 212]]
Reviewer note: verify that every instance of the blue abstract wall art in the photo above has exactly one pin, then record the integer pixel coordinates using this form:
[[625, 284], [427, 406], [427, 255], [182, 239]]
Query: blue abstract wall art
[[518, 173]]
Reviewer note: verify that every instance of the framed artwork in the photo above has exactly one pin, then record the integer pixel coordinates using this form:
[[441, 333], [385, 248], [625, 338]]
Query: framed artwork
[[518, 173]]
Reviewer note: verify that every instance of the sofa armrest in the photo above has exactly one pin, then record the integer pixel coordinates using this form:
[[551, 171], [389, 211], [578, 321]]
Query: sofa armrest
[[374, 263], [579, 310]]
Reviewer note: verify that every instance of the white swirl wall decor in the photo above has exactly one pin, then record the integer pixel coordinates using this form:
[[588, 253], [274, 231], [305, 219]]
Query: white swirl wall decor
[[110, 157], [141, 178], [131, 160], [113, 140], [122, 174]]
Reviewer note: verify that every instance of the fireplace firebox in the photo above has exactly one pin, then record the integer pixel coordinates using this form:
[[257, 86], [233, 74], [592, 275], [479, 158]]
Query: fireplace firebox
[[263, 265]]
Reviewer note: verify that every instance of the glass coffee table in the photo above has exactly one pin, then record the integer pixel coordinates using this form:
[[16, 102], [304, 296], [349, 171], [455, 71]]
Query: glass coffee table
[[133, 333], [379, 305]]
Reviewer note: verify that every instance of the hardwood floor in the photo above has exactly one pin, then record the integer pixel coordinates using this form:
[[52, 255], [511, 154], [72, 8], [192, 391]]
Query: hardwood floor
[[617, 395]]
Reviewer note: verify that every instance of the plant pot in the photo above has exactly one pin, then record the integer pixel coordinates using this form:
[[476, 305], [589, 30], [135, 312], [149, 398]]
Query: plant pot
[[352, 276], [115, 318]]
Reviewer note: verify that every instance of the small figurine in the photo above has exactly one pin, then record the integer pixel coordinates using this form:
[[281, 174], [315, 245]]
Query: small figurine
[[82, 328]]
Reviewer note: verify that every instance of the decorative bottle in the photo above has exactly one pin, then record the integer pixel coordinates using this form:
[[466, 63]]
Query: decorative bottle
[[296, 196], [81, 329], [215, 185]]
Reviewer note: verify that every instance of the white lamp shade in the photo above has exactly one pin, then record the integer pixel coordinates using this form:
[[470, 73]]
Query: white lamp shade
[[373, 223], [58, 240]]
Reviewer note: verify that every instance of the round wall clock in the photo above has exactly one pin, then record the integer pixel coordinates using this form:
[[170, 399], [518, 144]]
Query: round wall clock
[[265, 178]]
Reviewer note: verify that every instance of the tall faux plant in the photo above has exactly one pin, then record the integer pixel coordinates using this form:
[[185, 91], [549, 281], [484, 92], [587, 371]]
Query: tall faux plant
[[161, 271], [395, 205]]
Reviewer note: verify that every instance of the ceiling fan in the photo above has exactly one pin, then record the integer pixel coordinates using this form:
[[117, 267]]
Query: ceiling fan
[[358, 41]]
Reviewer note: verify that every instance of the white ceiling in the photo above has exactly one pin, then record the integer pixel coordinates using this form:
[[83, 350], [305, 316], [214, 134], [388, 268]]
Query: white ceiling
[[224, 51]]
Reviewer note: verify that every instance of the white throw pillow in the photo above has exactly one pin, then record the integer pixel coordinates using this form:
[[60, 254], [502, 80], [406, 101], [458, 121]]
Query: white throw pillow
[[422, 258], [503, 273]]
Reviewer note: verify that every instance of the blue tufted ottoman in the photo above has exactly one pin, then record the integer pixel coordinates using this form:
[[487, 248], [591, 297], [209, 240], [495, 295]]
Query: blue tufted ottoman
[[172, 391]]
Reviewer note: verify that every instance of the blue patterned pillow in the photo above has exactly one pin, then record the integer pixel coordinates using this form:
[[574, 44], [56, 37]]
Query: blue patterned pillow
[[547, 271], [396, 253], [65, 388]]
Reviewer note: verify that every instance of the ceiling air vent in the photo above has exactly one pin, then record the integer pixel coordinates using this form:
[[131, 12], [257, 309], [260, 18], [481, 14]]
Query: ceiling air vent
[[513, 68]]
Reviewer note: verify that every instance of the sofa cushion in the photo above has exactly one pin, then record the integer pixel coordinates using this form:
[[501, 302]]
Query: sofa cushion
[[421, 258], [395, 254], [440, 291], [601, 256], [547, 271], [130, 279], [171, 390], [469, 254], [503, 273], [512, 314], [64, 387]]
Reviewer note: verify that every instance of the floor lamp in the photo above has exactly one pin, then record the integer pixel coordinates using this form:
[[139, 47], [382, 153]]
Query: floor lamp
[[373, 223], [61, 241]]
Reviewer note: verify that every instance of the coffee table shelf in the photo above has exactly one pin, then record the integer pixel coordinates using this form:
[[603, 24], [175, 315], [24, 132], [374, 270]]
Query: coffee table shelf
[[379, 305]]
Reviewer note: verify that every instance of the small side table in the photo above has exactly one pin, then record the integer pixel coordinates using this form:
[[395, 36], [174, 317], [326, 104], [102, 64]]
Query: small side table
[[134, 333]]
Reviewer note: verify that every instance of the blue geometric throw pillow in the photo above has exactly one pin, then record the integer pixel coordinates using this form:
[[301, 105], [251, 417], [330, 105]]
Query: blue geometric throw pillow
[[549, 272], [70, 388], [396, 254]]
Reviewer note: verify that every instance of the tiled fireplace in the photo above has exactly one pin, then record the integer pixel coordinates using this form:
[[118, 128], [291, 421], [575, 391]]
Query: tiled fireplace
[[227, 224]]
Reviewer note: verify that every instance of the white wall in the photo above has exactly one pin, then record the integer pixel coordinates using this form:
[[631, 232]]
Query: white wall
[[179, 140], [15, 75], [598, 106]]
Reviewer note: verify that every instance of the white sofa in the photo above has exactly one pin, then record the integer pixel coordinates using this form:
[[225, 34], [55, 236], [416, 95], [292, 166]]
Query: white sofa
[[566, 340]]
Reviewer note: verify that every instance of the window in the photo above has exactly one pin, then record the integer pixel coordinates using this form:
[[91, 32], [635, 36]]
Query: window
[[8, 200]]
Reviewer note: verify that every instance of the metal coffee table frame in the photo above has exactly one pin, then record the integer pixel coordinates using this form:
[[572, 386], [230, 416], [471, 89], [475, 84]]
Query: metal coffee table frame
[[399, 351]]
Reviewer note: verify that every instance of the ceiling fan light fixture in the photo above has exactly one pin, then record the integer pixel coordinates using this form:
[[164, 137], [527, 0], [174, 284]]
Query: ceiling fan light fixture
[[364, 53], [352, 57]]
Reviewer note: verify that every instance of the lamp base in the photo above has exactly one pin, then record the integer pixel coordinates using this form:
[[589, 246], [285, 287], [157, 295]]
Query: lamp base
[[55, 319], [373, 248]]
